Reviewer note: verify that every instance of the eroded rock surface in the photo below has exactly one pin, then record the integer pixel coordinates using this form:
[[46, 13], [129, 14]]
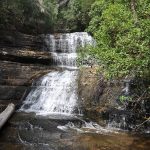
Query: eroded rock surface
[[97, 96], [22, 60], [118, 103]]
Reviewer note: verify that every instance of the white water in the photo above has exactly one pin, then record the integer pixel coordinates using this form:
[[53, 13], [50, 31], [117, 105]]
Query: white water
[[87, 127], [63, 47], [56, 92], [65, 59], [69, 42]]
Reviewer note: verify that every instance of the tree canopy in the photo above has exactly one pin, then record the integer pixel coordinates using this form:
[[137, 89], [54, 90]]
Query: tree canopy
[[30, 16], [121, 29], [44, 16]]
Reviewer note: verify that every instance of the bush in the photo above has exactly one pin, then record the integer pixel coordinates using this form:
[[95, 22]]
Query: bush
[[122, 43], [74, 17]]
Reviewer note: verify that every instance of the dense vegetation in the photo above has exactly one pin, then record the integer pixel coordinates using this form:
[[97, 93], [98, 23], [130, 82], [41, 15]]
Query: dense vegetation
[[121, 28], [29, 16], [44, 16], [75, 17], [122, 31]]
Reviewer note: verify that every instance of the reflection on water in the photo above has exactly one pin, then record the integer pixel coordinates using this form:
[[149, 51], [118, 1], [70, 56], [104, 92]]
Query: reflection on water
[[30, 132], [111, 142]]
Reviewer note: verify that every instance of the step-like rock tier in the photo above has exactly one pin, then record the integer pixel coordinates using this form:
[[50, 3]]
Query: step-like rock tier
[[21, 60], [19, 40], [26, 57], [15, 79]]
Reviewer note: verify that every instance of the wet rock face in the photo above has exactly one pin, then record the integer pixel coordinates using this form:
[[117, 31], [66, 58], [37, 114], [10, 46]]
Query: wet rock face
[[19, 40], [133, 111], [15, 78], [22, 59], [128, 120], [119, 104], [96, 95], [27, 56], [87, 87], [94, 91]]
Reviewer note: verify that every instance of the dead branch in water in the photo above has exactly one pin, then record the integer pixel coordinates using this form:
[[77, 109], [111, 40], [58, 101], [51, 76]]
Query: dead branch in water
[[138, 126], [6, 114]]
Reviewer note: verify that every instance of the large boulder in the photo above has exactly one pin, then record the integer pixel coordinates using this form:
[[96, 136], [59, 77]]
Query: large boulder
[[115, 103]]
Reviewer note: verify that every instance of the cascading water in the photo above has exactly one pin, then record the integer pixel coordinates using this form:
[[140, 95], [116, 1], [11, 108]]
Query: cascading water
[[53, 93], [56, 92], [63, 47]]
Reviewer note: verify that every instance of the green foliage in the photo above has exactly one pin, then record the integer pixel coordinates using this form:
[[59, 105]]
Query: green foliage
[[38, 16], [86, 56], [124, 99], [122, 44], [75, 17], [31, 16]]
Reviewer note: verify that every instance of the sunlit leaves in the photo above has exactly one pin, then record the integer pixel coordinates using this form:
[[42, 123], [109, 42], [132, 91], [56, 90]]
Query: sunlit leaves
[[123, 47]]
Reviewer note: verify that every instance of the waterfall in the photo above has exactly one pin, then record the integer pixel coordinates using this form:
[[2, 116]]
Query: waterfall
[[56, 92], [63, 47]]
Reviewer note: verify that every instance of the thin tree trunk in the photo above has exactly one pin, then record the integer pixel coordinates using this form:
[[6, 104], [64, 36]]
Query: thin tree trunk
[[133, 9]]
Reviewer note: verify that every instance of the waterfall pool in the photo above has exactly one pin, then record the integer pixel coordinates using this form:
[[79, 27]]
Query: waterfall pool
[[27, 131]]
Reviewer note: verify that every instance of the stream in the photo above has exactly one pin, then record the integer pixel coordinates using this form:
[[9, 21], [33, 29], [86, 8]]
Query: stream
[[27, 131], [51, 117]]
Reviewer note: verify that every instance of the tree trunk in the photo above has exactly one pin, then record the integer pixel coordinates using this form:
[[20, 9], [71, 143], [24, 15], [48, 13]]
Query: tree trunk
[[5, 115], [133, 9]]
